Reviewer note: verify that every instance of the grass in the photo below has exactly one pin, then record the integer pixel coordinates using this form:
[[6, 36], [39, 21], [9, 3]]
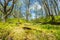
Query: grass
[[12, 31]]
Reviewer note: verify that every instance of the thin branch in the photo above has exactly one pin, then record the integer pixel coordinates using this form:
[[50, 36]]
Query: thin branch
[[10, 9]]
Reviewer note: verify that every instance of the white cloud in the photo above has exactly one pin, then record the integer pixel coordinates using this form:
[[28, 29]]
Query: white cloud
[[35, 5], [39, 7]]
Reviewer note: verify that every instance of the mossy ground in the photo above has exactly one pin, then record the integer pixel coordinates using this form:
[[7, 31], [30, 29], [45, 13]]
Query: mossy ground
[[13, 31]]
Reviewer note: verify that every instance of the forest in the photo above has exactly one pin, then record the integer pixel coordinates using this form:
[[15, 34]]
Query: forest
[[29, 19]]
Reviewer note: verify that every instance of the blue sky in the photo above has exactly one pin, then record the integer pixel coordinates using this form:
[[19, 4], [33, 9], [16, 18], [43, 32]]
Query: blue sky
[[59, 4], [33, 4]]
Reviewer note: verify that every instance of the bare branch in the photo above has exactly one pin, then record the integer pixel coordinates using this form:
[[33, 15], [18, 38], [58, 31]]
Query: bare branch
[[10, 9]]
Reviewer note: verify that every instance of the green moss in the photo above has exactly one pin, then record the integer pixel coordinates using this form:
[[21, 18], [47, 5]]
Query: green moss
[[37, 32]]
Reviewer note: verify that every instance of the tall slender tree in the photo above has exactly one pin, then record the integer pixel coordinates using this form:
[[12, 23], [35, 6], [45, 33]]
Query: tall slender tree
[[27, 9]]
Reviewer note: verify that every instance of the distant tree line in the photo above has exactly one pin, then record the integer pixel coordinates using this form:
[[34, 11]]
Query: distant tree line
[[49, 7]]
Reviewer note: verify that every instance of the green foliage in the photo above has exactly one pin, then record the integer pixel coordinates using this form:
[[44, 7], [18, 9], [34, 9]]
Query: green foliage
[[10, 30], [57, 18], [49, 27], [57, 34], [41, 20], [46, 19], [5, 29], [16, 20]]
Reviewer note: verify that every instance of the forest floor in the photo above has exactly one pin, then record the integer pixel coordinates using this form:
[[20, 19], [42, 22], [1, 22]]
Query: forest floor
[[29, 31]]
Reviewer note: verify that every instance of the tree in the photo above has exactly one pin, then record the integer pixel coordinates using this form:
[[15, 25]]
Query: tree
[[46, 7], [5, 10], [56, 4], [27, 10], [49, 10], [17, 9]]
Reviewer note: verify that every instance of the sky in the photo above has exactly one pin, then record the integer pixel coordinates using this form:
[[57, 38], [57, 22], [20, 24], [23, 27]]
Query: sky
[[59, 4], [33, 4]]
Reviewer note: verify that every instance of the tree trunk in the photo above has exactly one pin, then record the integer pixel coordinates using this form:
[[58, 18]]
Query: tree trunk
[[52, 19], [4, 17]]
